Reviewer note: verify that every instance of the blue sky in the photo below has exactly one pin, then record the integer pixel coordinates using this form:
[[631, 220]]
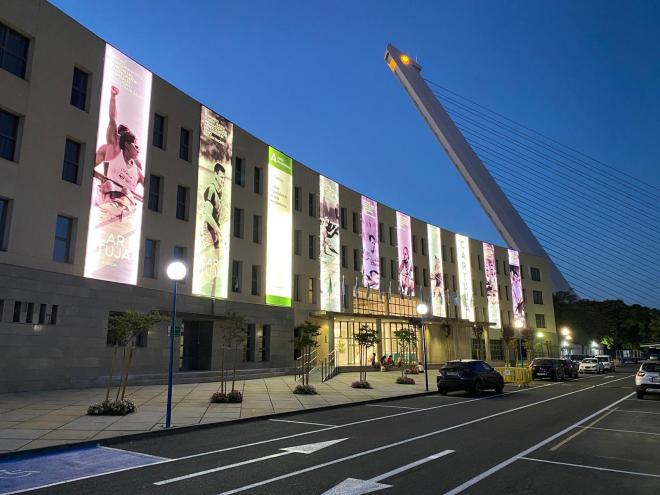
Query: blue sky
[[308, 77]]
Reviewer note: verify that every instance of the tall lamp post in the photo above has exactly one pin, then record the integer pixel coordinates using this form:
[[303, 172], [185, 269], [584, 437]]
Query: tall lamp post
[[422, 310], [566, 333], [176, 271], [519, 324]]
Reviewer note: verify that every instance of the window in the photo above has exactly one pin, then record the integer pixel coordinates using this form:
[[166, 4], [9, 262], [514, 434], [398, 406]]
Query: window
[[380, 231], [496, 350], [535, 273], [29, 315], [444, 252], [537, 295], [356, 223], [312, 205], [392, 237], [425, 277], [256, 229], [4, 223], [256, 280], [297, 198], [158, 139], [393, 269], [236, 269], [155, 187], [297, 242], [265, 343], [497, 266], [13, 51], [71, 161], [504, 267], [423, 247], [356, 260], [63, 234], [238, 223], [257, 180], [415, 274], [150, 254], [79, 88], [453, 283], [42, 314], [184, 144], [179, 253], [481, 288], [342, 217], [344, 257], [382, 266], [182, 202], [311, 250], [522, 272], [8, 135], [296, 288], [53, 314], [540, 320], [239, 171], [479, 263], [17, 312], [311, 292], [250, 342], [451, 254], [506, 291], [414, 243]]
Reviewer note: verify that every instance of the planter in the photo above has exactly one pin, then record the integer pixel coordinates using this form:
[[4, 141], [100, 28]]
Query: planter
[[361, 384], [112, 408], [405, 380], [305, 390], [233, 397]]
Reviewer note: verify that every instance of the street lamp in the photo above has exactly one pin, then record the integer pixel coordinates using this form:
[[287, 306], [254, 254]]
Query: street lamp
[[422, 310], [175, 271]]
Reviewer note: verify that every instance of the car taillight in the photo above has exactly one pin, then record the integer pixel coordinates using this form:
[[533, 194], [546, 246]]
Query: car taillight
[[641, 373]]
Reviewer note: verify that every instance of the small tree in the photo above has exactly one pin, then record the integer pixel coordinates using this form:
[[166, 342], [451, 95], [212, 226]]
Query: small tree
[[478, 333], [233, 335], [508, 336], [366, 338], [407, 340], [528, 338], [305, 342]]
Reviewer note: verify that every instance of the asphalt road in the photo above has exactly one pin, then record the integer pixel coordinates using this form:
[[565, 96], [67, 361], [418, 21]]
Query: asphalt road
[[579, 436]]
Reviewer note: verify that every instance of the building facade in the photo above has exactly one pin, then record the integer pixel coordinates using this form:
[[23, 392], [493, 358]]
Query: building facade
[[108, 173]]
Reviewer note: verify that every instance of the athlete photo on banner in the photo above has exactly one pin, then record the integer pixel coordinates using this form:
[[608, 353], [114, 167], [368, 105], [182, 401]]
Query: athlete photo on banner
[[465, 277], [212, 219], [330, 245], [492, 291], [370, 250], [434, 239], [115, 218], [404, 243], [517, 297]]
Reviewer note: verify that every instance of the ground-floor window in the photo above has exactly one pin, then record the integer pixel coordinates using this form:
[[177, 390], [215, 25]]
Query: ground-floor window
[[348, 353], [390, 344], [496, 350]]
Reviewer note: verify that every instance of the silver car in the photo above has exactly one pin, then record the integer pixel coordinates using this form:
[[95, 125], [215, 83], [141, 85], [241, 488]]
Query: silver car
[[647, 378], [591, 365]]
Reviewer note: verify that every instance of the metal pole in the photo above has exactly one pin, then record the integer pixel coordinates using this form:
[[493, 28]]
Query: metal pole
[[426, 370], [168, 415]]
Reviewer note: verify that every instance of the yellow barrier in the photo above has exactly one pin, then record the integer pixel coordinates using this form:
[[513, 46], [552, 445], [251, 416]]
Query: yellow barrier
[[517, 376]]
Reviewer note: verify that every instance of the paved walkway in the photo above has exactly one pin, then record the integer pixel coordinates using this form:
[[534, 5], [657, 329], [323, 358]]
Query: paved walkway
[[30, 420]]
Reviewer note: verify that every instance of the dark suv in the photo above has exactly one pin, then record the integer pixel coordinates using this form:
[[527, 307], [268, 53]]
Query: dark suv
[[548, 368], [470, 375]]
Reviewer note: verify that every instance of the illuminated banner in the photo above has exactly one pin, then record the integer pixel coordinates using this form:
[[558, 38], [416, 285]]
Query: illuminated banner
[[370, 251], [516, 290], [279, 229], [211, 261], [492, 291], [404, 242], [115, 216], [465, 277], [435, 269], [330, 246]]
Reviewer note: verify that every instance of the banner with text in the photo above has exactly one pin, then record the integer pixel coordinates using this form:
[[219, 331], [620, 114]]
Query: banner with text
[[434, 237], [517, 299], [465, 277], [330, 245], [404, 243], [492, 290], [370, 249]]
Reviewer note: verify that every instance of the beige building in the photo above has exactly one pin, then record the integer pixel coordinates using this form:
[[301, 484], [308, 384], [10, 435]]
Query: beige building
[[54, 319]]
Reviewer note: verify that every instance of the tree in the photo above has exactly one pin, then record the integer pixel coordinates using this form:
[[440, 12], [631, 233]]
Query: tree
[[305, 342], [527, 334], [366, 338], [233, 336], [509, 338], [478, 333], [407, 340]]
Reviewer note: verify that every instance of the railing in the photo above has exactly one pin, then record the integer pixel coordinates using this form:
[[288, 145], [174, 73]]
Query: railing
[[329, 366], [309, 358]]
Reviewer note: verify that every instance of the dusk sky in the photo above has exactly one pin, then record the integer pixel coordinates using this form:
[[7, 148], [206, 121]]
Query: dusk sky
[[309, 78]]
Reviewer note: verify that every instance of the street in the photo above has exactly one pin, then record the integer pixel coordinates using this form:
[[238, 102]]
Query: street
[[589, 434]]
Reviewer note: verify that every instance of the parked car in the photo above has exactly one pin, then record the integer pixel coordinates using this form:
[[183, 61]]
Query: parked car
[[548, 368], [591, 365], [608, 364], [471, 375], [647, 378], [577, 357], [571, 368]]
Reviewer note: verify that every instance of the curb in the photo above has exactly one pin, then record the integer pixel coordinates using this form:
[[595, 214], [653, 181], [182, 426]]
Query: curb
[[189, 428]]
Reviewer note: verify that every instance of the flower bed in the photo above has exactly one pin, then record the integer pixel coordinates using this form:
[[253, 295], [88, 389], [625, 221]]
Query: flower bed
[[112, 408], [232, 397], [361, 384], [405, 380], [305, 390]]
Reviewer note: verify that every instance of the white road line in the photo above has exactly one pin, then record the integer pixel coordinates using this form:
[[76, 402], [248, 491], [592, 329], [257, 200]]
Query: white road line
[[401, 469], [299, 422], [395, 407], [640, 412], [635, 473], [413, 439], [579, 432], [620, 431], [513, 459], [137, 454]]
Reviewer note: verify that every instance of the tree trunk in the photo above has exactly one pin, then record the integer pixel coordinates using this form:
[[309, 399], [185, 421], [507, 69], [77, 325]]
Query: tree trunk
[[222, 370], [233, 378], [112, 370], [128, 365], [121, 374]]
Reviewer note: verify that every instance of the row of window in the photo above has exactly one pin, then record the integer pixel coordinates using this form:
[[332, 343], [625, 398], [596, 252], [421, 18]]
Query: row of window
[[31, 313]]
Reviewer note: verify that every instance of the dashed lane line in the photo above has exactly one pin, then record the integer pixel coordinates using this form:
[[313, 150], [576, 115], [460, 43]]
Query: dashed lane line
[[584, 466]]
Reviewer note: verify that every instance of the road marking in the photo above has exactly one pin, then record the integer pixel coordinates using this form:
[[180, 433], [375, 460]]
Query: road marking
[[299, 422], [413, 439], [578, 433], [352, 486], [621, 431], [513, 459], [300, 449], [395, 407], [629, 411], [635, 473]]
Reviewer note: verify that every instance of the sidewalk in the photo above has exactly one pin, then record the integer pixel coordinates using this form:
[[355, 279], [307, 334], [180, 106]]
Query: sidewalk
[[30, 420]]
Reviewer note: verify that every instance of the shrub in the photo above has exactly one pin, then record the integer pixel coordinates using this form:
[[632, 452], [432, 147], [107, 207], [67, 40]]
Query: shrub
[[361, 384], [405, 380], [412, 371], [234, 397], [305, 390], [219, 397], [112, 408]]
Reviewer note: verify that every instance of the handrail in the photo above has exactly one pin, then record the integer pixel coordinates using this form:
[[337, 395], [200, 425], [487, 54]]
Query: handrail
[[329, 366], [309, 358]]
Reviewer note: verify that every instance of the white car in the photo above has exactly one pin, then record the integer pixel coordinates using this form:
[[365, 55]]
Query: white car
[[591, 365], [647, 378], [608, 365]]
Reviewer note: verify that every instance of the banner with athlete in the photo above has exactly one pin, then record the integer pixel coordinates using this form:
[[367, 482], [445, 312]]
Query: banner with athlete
[[492, 290], [370, 250], [404, 243], [115, 217], [329, 245], [438, 306], [517, 299], [465, 277], [212, 219]]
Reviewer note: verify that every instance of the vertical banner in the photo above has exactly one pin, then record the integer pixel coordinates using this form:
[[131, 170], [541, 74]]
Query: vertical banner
[[370, 250], [115, 216], [279, 229], [492, 291], [330, 245], [404, 243], [517, 299], [434, 237], [465, 277], [212, 218]]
